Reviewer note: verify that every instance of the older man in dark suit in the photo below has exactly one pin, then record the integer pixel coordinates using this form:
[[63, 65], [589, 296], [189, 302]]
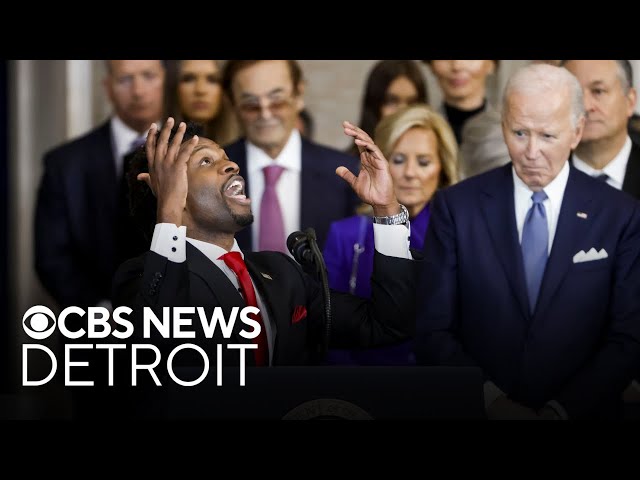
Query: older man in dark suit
[[290, 179], [76, 212], [533, 269]]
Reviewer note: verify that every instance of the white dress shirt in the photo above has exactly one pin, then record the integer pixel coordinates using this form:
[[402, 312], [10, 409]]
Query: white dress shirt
[[615, 169], [287, 189], [122, 137], [555, 191], [390, 240]]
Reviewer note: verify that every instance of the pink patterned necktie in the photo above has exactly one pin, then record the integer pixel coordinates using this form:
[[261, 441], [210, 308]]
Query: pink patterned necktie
[[271, 235]]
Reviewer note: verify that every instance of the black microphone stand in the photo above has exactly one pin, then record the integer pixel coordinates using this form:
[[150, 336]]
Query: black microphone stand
[[321, 270], [303, 246]]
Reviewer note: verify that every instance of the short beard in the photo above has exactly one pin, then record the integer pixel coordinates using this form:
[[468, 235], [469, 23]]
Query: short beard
[[243, 220], [240, 219]]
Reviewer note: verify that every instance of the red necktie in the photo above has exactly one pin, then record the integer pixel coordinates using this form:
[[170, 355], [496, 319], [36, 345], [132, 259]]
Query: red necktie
[[235, 262]]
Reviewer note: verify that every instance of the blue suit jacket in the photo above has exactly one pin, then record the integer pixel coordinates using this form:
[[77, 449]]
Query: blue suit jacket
[[74, 221], [582, 343], [325, 197]]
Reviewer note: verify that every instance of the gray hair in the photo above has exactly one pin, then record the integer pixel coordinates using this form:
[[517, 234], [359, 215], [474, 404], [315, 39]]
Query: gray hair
[[625, 73], [544, 77]]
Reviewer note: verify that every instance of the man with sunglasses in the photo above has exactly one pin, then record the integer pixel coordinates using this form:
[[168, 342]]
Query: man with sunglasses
[[291, 180]]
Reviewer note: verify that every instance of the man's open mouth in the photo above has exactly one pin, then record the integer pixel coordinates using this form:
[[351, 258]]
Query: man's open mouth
[[234, 189]]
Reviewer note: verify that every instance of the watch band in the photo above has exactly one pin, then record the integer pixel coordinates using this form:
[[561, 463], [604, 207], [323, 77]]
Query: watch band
[[398, 219]]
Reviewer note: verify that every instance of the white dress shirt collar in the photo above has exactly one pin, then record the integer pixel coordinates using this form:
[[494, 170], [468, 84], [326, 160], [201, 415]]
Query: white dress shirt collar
[[615, 169], [214, 252], [123, 136], [290, 157]]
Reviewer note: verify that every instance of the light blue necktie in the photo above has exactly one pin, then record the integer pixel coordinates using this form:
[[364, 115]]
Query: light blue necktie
[[535, 241]]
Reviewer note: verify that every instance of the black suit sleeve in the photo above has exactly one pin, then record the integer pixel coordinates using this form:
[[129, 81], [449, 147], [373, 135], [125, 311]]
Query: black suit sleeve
[[57, 262], [388, 317], [437, 341], [151, 280]]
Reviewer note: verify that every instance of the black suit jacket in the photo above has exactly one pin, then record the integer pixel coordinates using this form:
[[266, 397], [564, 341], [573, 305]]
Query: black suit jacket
[[631, 183], [151, 280], [325, 197], [132, 234], [75, 211]]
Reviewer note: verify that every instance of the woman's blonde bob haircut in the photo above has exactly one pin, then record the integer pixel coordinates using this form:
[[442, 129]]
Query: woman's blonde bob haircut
[[392, 127]]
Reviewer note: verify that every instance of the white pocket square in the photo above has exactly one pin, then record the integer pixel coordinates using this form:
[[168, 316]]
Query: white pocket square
[[589, 256]]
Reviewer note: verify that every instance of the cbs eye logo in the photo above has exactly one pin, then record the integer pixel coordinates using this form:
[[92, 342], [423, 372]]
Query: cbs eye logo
[[35, 321]]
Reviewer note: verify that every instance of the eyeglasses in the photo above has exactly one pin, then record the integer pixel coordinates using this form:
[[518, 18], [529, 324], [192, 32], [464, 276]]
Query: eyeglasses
[[276, 104]]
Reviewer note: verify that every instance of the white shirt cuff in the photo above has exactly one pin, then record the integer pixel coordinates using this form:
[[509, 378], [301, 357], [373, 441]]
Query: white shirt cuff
[[392, 240], [491, 393], [170, 241]]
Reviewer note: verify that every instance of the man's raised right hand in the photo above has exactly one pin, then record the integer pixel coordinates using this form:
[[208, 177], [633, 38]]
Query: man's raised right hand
[[167, 175]]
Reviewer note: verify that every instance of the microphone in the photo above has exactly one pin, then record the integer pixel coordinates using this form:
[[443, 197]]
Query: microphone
[[304, 248], [299, 246]]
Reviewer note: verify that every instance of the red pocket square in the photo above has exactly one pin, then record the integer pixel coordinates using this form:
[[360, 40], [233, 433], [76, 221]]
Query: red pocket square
[[299, 313]]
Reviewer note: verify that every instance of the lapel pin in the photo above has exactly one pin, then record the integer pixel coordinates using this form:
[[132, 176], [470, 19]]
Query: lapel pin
[[581, 215], [266, 275]]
